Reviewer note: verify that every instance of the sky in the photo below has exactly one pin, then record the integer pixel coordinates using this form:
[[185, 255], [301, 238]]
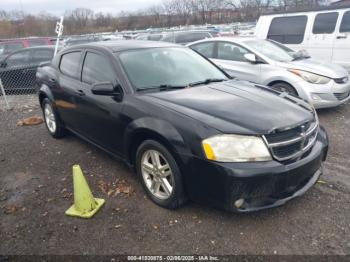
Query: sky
[[57, 7]]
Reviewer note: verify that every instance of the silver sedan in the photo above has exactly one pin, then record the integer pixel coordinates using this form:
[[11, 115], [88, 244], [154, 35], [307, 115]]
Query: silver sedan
[[270, 63]]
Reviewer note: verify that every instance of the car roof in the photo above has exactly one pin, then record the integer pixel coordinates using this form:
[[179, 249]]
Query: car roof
[[233, 39], [18, 40], [39, 47], [124, 45], [308, 10]]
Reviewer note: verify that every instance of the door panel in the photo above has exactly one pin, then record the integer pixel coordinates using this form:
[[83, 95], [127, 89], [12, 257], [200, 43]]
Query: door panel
[[341, 53], [66, 99], [99, 119], [322, 36]]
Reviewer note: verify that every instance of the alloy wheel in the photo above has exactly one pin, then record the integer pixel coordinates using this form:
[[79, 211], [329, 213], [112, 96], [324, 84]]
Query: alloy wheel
[[157, 174], [50, 118]]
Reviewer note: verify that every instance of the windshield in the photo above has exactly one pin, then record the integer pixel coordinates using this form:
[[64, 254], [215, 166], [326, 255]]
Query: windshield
[[271, 50], [156, 67]]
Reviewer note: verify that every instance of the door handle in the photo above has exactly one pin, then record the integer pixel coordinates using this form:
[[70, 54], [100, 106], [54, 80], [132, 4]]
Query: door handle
[[80, 93], [341, 36]]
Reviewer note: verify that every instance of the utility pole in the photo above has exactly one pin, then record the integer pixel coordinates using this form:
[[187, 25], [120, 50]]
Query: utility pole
[[59, 31]]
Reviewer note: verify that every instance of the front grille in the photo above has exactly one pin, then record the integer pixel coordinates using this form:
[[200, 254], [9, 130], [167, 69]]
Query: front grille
[[342, 96], [292, 144], [342, 80]]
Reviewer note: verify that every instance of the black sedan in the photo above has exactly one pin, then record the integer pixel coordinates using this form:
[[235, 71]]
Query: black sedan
[[189, 130], [17, 70]]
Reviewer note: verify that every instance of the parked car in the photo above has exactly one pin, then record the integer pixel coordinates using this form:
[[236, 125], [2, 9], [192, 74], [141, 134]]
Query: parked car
[[187, 128], [9, 46], [227, 31], [79, 41], [324, 34], [17, 70], [151, 37], [270, 63], [185, 37]]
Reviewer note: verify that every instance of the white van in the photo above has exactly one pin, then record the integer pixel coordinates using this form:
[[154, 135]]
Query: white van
[[324, 34]]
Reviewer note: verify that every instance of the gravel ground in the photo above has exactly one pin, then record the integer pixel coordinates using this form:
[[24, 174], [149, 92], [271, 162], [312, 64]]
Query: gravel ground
[[36, 189]]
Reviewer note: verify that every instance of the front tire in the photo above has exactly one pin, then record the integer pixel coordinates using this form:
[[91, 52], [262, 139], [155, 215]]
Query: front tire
[[52, 122], [160, 175], [284, 87]]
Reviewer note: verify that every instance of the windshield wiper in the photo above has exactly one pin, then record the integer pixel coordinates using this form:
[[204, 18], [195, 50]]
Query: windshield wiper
[[160, 88], [207, 81]]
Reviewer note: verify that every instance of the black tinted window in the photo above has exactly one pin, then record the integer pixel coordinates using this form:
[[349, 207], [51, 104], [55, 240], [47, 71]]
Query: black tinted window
[[155, 37], [345, 23], [325, 23], [232, 52], [288, 30], [42, 55], [18, 59], [70, 63], [97, 69], [191, 37], [206, 49]]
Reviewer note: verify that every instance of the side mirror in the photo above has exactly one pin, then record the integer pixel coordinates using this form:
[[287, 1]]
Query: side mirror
[[250, 57], [106, 89], [302, 53]]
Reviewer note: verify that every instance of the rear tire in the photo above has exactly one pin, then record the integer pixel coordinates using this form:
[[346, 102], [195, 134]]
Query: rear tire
[[284, 87], [52, 122], [160, 175]]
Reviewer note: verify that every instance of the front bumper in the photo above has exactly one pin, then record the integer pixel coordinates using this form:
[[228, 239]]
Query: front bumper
[[261, 184], [324, 96]]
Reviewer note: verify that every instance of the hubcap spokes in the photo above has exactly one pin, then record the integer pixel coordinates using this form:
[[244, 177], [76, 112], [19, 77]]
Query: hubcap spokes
[[157, 174], [50, 118]]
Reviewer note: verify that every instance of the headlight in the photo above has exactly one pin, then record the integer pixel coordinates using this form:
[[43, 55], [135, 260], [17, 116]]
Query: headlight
[[236, 148], [311, 77]]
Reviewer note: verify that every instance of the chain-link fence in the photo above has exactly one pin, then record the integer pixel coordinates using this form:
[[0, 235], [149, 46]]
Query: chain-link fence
[[17, 86]]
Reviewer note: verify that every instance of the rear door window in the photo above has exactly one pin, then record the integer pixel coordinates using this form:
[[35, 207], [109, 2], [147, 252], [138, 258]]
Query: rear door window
[[325, 23], [288, 30], [97, 69], [345, 23], [42, 55], [70, 63], [205, 49], [18, 59]]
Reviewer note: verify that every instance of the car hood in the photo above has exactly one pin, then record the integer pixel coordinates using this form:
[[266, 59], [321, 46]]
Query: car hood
[[236, 107], [318, 67]]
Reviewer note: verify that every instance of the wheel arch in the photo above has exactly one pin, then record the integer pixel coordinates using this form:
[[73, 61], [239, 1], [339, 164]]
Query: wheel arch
[[45, 92], [283, 82], [153, 129]]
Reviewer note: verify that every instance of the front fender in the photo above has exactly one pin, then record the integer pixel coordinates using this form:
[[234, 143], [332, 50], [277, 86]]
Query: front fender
[[153, 127], [44, 91]]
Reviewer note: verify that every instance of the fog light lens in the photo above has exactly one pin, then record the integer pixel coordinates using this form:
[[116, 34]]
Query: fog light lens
[[315, 97], [239, 202]]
